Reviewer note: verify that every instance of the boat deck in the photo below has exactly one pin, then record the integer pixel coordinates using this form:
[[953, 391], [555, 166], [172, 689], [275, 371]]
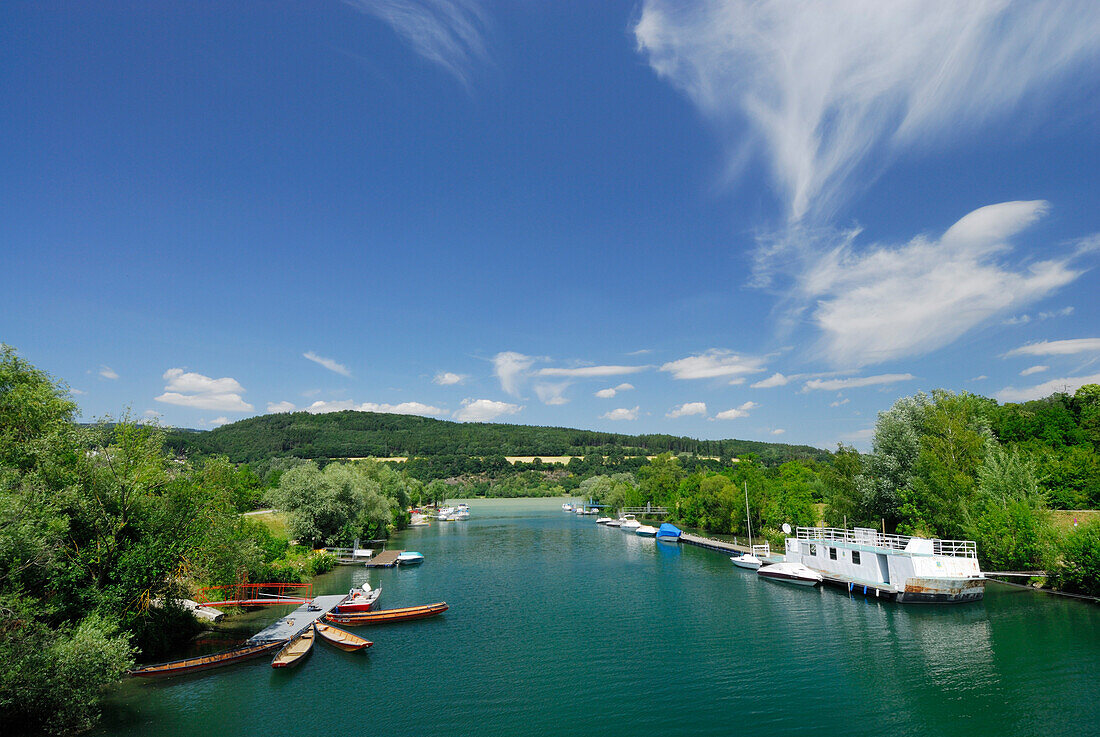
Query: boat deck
[[385, 559], [297, 621]]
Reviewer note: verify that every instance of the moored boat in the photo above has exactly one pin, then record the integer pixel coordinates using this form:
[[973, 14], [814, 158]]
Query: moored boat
[[789, 572], [295, 651], [746, 560], [388, 615], [409, 558], [646, 531], [668, 533], [628, 523], [604, 520], [614, 523], [566, 507], [341, 639], [203, 662], [359, 600]]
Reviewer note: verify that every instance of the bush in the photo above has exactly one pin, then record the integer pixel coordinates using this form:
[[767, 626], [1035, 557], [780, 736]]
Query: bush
[[1079, 569]]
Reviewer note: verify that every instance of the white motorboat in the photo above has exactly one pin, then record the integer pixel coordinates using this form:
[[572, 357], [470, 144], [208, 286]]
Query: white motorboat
[[788, 572], [566, 507], [614, 523], [445, 513], [746, 560], [646, 531], [605, 520], [462, 511], [629, 523], [410, 557]]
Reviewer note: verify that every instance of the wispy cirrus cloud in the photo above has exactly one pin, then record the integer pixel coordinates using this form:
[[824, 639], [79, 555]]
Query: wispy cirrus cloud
[[855, 382], [1034, 370], [446, 378], [189, 389], [822, 96], [1057, 347], [484, 410], [108, 373], [510, 368], [587, 372], [448, 33], [328, 363], [552, 393]]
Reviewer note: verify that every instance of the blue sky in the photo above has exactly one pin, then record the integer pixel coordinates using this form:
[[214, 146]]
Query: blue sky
[[718, 219]]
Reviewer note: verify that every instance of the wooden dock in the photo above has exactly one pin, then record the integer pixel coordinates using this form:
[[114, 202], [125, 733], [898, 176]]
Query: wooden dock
[[385, 559], [297, 621], [724, 546]]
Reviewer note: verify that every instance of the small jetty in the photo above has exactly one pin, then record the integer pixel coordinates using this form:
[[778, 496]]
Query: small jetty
[[721, 546], [298, 620], [385, 559]]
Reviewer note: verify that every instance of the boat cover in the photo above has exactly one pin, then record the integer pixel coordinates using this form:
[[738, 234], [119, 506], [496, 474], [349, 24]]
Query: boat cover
[[667, 530]]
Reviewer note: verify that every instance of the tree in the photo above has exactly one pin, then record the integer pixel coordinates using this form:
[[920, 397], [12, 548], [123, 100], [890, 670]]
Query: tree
[[841, 497], [889, 471]]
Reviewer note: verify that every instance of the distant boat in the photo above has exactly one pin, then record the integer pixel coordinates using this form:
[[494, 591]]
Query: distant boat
[[646, 531], [668, 533], [629, 523], [795, 573], [360, 600], [388, 615], [203, 662], [296, 650], [747, 560], [566, 507], [341, 639], [462, 512], [604, 520], [409, 558], [614, 523]]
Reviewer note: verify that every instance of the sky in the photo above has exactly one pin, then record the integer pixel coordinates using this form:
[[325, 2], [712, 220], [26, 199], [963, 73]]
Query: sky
[[756, 220]]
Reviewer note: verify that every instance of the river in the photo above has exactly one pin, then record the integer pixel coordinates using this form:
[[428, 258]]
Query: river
[[560, 626]]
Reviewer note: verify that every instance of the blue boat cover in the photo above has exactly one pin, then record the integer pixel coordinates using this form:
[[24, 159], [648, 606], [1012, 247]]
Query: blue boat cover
[[667, 530]]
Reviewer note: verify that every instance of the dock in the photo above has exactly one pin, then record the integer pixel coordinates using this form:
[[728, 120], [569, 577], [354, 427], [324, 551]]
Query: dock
[[385, 559], [298, 620]]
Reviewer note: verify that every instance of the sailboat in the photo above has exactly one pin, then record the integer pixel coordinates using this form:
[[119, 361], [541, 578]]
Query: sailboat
[[747, 560]]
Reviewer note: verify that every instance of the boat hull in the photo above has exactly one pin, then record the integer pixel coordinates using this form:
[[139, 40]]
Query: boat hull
[[668, 538], [205, 662], [337, 637], [941, 591], [788, 578], [388, 615], [748, 562], [295, 651]]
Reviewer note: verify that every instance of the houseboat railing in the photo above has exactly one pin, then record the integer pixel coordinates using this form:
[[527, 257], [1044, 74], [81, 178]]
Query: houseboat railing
[[873, 538]]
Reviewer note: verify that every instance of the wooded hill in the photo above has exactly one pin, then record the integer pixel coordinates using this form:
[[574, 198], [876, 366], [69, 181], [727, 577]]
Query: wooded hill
[[356, 434]]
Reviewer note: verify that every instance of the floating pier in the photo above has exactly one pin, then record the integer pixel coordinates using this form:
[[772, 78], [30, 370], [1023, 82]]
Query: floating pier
[[298, 620], [721, 546], [385, 559]]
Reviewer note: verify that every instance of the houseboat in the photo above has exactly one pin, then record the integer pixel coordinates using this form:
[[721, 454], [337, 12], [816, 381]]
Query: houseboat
[[908, 569]]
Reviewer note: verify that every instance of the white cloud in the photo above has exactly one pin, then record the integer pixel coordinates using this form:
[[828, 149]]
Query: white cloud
[[449, 33], [612, 391], [830, 100], [1064, 312], [1017, 320], [446, 378], [621, 414], [1033, 370], [1026, 394], [77, 392], [687, 409], [983, 377], [778, 431], [510, 367], [839, 402], [585, 372], [892, 302], [714, 363], [276, 407], [404, 408], [776, 379], [1057, 347], [107, 372], [328, 363], [552, 393], [151, 414], [838, 384], [484, 410], [859, 435], [189, 389], [640, 352], [736, 412], [217, 421]]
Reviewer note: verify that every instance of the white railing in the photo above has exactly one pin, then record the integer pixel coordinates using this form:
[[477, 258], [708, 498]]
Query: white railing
[[873, 538]]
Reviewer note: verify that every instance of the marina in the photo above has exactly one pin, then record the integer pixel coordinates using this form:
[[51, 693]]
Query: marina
[[906, 666]]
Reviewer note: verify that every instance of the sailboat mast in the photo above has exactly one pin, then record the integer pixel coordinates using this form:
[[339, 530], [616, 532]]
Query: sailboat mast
[[748, 519]]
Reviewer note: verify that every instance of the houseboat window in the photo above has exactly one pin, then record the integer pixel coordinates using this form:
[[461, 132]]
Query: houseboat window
[[813, 549], [832, 553], [855, 557]]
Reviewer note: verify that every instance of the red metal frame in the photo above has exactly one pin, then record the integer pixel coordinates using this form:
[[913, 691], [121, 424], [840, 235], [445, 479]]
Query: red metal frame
[[256, 594]]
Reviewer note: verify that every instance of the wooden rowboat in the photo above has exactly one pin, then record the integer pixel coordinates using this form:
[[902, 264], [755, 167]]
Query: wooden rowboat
[[341, 639], [189, 665], [296, 650], [387, 615]]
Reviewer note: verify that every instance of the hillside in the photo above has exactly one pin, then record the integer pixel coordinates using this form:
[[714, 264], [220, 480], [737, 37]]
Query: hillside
[[353, 434]]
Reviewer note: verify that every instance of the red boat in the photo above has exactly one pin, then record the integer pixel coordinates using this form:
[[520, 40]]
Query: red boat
[[387, 615], [189, 665], [359, 600]]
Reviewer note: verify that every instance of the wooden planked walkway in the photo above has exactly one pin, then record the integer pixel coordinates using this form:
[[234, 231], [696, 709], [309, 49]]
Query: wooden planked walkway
[[385, 559]]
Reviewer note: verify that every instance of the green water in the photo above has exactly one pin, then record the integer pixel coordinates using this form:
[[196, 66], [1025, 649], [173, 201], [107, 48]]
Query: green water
[[560, 626]]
